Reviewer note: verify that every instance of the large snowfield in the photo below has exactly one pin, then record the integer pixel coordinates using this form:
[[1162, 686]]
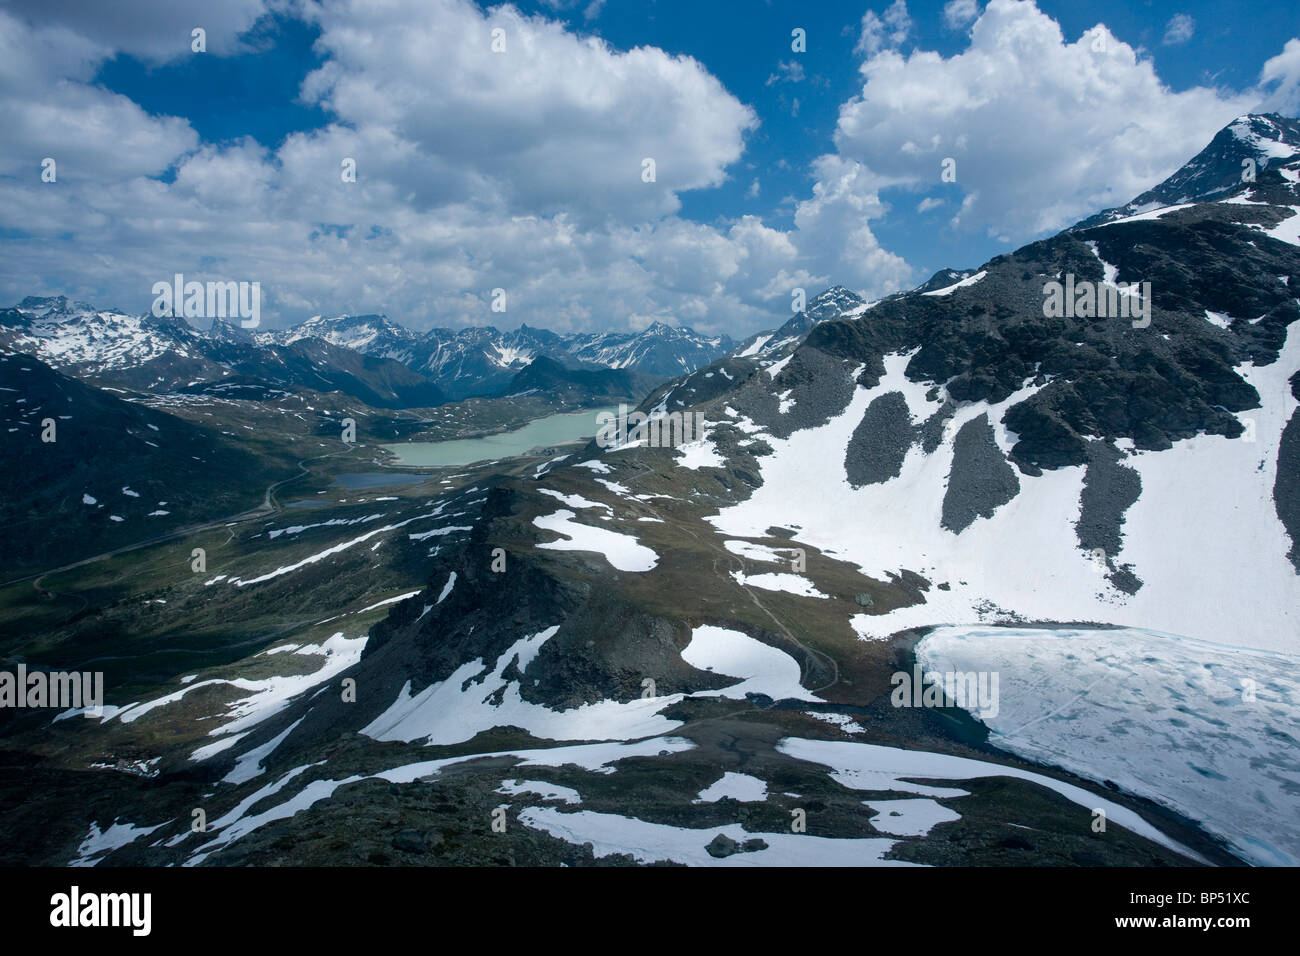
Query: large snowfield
[[1206, 504]]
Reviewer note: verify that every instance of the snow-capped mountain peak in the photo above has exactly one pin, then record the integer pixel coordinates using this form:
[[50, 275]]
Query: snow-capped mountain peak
[[55, 306], [371, 334], [76, 335], [833, 303], [1236, 162]]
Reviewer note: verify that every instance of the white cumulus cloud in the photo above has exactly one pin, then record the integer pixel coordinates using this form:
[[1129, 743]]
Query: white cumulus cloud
[[1280, 78], [1043, 130], [960, 13], [523, 169], [884, 31]]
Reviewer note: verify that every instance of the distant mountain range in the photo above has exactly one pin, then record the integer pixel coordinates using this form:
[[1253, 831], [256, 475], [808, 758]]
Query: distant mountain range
[[166, 355], [483, 360], [366, 356]]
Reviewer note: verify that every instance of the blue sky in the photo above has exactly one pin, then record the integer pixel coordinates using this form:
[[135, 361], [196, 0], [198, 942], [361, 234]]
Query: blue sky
[[478, 170]]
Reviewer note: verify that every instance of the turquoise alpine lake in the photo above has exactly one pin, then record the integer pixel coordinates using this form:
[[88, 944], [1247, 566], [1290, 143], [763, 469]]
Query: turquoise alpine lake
[[540, 433]]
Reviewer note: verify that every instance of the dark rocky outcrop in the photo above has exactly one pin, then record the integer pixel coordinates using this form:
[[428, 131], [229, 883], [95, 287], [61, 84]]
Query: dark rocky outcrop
[[981, 481]]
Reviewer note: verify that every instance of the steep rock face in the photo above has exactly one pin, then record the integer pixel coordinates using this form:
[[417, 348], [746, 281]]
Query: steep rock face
[[880, 442], [1110, 488], [810, 389], [1099, 377], [981, 480]]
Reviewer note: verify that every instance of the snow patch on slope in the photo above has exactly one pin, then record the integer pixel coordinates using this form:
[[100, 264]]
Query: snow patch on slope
[[623, 551], [454, 710]]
